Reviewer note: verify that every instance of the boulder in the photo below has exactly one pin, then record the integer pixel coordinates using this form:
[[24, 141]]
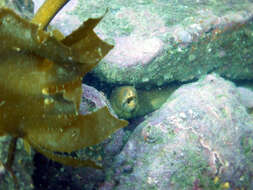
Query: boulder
[[201, 138]]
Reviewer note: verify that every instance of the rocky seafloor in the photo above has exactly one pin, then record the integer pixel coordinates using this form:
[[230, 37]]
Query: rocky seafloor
[[159, 41], [201, 137]]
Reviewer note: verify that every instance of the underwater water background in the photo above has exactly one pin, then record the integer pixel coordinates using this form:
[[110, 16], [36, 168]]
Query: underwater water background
[[181, 73]]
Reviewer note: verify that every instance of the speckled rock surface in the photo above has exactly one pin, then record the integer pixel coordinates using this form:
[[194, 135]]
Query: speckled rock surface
[[22, 167], [201, 138], [246, 96], [159, 41], [24, 8], [54, 176], [92, 100]]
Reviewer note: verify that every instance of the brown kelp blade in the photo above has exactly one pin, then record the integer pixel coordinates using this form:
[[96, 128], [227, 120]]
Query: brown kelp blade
[[70, 133], [17, 34], [90, 51], [82, 31], [65, 159], [89, 48], [83, 46]]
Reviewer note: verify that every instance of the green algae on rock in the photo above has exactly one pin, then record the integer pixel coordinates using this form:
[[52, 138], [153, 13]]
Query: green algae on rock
[[186, 38]]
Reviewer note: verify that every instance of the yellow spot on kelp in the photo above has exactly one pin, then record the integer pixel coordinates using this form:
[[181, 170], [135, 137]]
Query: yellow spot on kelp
[[16, 49], [45, 91], [42, 36], [57, 34], [48, 101], [74, 133], [100, 52]]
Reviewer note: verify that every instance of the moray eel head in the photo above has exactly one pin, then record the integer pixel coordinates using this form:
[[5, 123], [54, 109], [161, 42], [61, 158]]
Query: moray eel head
[[124, 101]]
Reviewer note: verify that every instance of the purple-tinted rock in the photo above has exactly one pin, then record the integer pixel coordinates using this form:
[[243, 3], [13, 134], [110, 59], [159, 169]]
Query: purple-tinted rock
[[62, 21], [246, 96], [114, 146], [131, 51], [201, 138], [92, 100], [107, 186]]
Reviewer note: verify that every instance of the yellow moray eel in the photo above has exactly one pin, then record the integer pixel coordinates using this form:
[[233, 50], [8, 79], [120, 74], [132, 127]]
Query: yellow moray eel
[[40, 84], [128, 102]]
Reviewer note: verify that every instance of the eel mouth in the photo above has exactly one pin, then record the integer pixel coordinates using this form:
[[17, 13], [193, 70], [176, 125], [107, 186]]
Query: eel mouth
[[124, 101]]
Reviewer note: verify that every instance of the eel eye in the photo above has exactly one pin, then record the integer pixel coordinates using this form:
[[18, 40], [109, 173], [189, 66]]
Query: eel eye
[[130, 104], [129, 100]]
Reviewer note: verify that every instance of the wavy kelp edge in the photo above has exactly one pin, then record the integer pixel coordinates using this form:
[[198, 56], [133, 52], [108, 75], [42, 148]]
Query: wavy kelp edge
[[41, 50]]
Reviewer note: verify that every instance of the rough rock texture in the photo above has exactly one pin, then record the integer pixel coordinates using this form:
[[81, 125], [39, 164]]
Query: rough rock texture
[[61, 20], [246, 96], [159, 41], [54, 176], [201, 138], [22, 167], [24, 8], [92, 100]]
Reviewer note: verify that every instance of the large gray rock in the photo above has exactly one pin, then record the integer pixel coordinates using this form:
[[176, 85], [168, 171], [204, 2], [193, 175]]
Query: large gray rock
[[160, 41], [201, 138]]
